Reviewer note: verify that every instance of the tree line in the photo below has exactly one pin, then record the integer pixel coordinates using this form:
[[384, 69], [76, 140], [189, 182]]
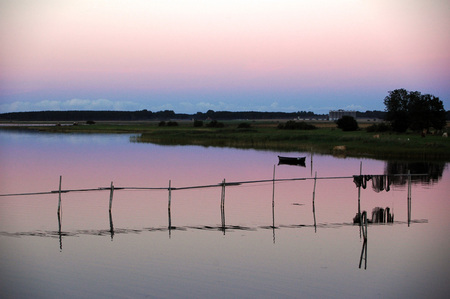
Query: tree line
[[143, 115]]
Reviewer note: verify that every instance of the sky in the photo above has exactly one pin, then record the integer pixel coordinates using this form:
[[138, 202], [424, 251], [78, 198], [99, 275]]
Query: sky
[[236, 55]]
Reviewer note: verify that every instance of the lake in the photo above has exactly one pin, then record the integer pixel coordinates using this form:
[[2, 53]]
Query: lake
[[269, 239]]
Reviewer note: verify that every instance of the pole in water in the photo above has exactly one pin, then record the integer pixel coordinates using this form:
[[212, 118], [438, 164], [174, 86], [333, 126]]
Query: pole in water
[[170, 194], [273, 189], [111, 193], [59, 201], [222, 197]]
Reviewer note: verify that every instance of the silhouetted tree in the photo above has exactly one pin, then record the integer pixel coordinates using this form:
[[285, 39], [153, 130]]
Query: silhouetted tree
[[410, 109]]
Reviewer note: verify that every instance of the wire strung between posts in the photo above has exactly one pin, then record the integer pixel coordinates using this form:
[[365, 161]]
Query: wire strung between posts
[[200, 186]]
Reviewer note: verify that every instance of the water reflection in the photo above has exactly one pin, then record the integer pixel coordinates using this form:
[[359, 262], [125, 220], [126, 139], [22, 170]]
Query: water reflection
[[379, 215], [363, 255], [433, 171], [59, 230], [111, 226]]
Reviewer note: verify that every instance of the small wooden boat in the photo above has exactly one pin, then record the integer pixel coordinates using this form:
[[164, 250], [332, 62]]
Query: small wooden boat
[[292, 160]]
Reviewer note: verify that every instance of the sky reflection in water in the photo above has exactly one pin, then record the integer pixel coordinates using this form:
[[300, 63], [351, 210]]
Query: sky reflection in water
[[132, 252]]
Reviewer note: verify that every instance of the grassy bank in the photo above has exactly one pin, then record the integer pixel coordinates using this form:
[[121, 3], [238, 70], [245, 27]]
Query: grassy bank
[[266, 135]]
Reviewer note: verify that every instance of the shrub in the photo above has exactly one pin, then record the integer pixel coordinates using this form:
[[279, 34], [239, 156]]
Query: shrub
[[215, 124], [293, 125], [162, 123], [244, 126], [381, 127], [90, 122], [198, 123], [347, 123], [172, 124]]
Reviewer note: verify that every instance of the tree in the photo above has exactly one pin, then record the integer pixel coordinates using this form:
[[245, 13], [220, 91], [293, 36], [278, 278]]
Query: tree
[[347, 123], [413, 110]]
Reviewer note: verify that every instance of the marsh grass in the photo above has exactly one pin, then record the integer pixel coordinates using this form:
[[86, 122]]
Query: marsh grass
[[266, 136]]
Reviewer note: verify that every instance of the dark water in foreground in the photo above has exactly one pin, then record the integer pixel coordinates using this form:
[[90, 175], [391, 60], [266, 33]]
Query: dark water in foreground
[[251, 249]]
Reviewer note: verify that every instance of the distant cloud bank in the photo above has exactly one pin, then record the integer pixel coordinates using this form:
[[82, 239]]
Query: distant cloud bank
[[180, 107], [73, 104]]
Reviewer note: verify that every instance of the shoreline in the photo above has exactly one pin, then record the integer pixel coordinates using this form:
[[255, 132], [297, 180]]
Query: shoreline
[[264, 135]]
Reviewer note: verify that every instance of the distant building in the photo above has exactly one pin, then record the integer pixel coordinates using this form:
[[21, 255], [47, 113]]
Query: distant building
[[337, 114]]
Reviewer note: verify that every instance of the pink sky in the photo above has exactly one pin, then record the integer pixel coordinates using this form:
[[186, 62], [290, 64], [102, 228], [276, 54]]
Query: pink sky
[[190, 56]]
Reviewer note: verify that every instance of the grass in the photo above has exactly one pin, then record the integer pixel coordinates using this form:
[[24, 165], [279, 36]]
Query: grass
[[265, 135]]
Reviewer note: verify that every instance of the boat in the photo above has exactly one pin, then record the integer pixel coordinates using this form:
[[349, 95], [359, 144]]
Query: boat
[[292, 161]]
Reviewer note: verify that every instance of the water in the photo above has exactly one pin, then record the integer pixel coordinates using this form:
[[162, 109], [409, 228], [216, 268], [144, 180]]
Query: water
[[196, 251]]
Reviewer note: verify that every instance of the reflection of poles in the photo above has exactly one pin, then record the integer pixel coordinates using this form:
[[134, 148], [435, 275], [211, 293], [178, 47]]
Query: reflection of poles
[[364, 247], [170, 223], [359, 199], [222, 206], [363, 253], [273, 205], [313, 203], [409, 197], [111, 226], [364, 227], [312, 155], [59, 230]]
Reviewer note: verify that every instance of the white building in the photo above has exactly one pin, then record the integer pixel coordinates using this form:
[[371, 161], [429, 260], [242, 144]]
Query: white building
[[337, 114]]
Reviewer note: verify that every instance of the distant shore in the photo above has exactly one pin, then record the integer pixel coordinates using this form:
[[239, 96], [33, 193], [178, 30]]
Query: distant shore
[[265, 135]]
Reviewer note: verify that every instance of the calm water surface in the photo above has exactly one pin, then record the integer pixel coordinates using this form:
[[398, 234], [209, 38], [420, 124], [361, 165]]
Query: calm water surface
[[251, 249]]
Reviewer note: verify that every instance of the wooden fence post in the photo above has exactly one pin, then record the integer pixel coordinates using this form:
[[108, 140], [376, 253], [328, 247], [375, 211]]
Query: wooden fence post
[[111, 193], [170, 195], [59, 201], [222, 206], [222, 197]]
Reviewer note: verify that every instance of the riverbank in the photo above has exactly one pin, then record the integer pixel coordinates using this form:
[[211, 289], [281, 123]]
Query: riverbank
[[265, 135]]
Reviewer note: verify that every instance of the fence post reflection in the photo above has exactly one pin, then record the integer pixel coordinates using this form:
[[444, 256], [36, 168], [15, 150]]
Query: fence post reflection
[[111, 226], [363, 255], [59, 230], [313, 203], [170, 223], [364, 247]]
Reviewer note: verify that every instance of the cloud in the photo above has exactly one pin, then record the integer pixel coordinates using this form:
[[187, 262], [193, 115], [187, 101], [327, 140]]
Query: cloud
[[72, 104]]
